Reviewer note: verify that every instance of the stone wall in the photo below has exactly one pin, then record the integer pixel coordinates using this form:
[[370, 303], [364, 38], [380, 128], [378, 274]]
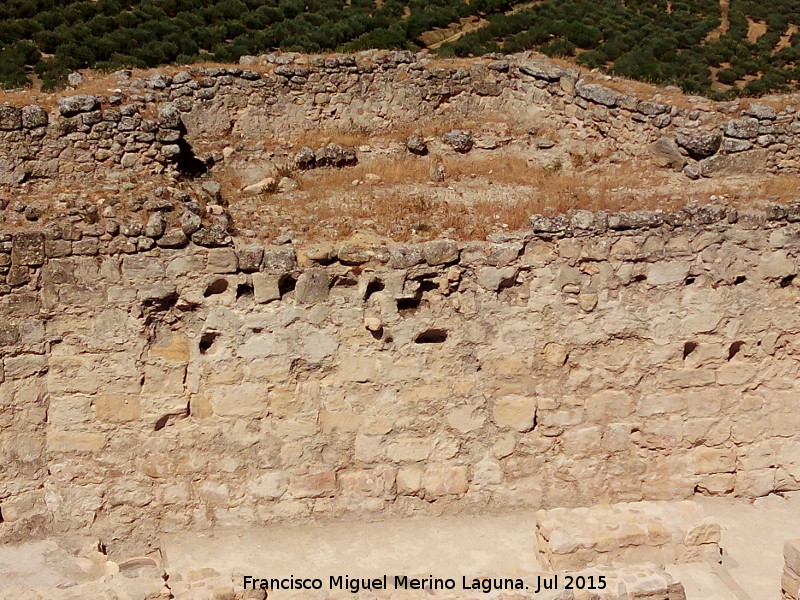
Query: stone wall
[[596, 357], [160, 122]]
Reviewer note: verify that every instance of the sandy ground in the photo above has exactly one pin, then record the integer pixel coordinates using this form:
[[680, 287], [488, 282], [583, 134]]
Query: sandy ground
[[498, 545]]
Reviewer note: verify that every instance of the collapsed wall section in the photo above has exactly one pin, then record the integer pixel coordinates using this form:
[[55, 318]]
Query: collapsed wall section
[[597, 357]]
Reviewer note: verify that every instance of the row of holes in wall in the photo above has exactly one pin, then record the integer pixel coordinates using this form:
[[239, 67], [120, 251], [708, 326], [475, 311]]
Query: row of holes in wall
[[733, 349], [287, 283]]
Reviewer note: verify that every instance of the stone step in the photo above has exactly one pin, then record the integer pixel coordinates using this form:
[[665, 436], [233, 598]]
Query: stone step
[[626, 533]]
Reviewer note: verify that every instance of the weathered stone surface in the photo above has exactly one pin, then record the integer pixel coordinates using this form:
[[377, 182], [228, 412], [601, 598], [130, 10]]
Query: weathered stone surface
[[699, 143], [745, 128], [211, 237], [34, 116], [73, 105], [753, 161], [440, 252], [10, 118], [28, 249], [459, 140], [266, 288], [667, 154], [541, 69], [599, 94], [312, 286], [416, 145]]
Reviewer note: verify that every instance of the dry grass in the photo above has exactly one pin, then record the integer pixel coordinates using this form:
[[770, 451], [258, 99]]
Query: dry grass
[[478, 198], [357, 136], [397, 200]]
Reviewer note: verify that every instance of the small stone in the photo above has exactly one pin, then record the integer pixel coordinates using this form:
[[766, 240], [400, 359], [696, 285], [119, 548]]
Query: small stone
[[211, 237], [416, 145], [156, 225], [459, 140], [373, 324], [587, 301], [190, 222], [174, 238], [306, 158], [692, 171], [10, 118]]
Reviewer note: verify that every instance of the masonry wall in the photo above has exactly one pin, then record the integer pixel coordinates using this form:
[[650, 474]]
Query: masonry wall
[[162, 122], [596, 357]]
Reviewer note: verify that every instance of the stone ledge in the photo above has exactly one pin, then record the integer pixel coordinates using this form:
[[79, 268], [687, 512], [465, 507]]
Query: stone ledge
[[630, 533]]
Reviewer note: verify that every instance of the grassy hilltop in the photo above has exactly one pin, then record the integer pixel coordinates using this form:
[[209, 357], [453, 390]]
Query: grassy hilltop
[[714, 47]]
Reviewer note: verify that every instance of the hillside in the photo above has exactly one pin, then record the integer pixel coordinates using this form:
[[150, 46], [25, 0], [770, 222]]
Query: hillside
[[712, 47]]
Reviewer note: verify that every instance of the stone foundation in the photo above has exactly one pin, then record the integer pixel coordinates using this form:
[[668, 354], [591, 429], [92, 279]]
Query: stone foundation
[[661, 532]]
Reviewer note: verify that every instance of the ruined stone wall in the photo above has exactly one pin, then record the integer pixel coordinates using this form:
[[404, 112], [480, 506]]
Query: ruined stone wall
[[149, 125], [596, 357]]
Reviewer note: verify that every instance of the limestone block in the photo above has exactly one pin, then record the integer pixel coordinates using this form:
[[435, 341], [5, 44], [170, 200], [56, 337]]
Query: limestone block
[[703, 533], [342, 422], [266, 288], [358, 369], [26, 365], [268, 486], [74, 441], [440, 252], [250, 258], [369, 448], [465, 418], [243, 400], [315, 485], [312, 286], [445, 480], [174, 347], [10, 118], [409, 480], [515, 412], [28, 249], [406, 448], [372, 483], [598, 94], [279, 259], [714, 460], [493, 278], [117, 408], [222, 260], [776, 265], [667, 273], [609, 405]]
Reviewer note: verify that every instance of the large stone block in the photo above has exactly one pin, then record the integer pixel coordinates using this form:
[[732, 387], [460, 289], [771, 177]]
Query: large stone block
[[312, 286], [117, 408], [75, 441], [515, 412], [244, 400], [444, 480], [314, 485], [28, 249]]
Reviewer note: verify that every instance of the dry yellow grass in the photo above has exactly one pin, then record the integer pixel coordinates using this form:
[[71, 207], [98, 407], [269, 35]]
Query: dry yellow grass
[[397, 200]]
